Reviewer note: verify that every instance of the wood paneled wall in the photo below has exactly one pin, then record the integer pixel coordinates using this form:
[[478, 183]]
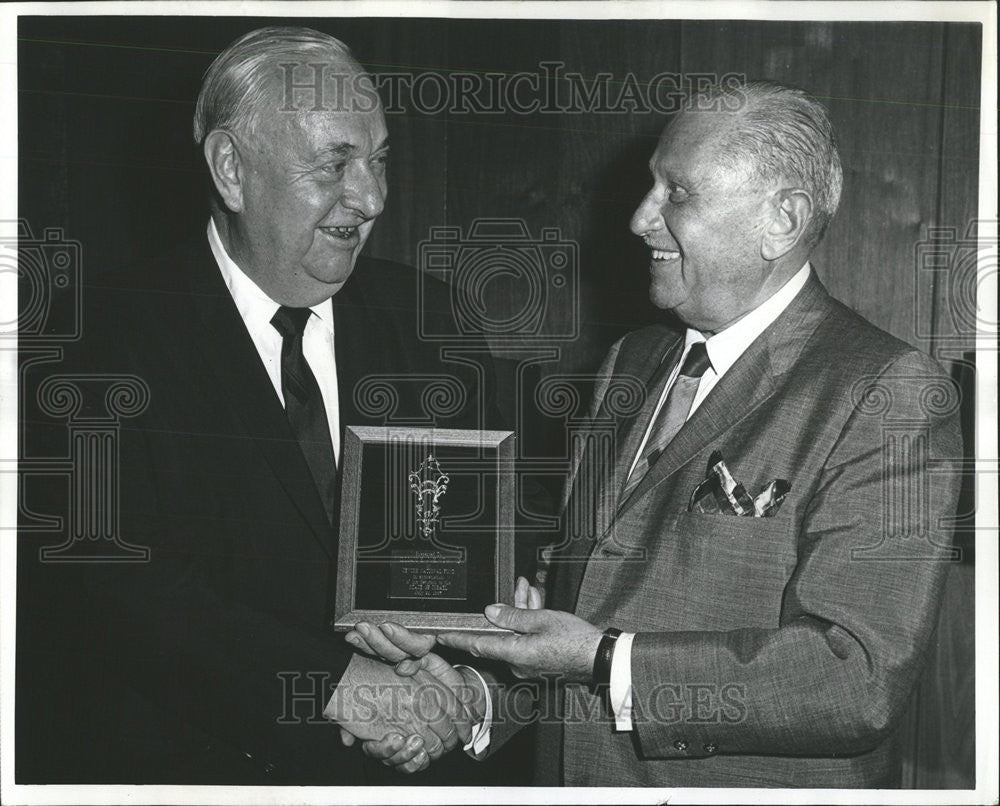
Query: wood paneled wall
[[105, 108]]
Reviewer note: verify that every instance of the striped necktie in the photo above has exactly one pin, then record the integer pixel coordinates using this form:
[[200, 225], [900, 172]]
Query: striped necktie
[[672, 415]]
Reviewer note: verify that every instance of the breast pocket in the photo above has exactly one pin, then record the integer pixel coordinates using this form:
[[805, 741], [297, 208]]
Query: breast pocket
[[735, 568]]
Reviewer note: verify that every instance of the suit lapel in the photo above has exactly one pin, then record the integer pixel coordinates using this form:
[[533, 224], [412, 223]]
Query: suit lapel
[[657, 366], [358, 347], [629, 429], [744, 388], [244, 385], [569, 563]]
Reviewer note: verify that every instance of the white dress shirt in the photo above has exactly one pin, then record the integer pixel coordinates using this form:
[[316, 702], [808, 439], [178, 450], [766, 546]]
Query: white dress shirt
[[257, 308], [724, 348]]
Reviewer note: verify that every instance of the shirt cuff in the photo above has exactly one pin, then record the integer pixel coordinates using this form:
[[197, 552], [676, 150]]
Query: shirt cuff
[[620, 691], [480, 733]]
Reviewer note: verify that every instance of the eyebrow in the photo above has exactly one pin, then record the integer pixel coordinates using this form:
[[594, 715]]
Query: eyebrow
[[345, 148], [672, 175], [340, 149]]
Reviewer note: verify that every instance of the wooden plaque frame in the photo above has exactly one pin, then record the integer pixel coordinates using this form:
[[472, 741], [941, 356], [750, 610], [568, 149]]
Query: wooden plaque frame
[[346, 613]]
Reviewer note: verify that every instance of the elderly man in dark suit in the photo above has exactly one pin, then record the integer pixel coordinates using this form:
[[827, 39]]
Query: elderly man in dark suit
[[215, 661], [750, 596]]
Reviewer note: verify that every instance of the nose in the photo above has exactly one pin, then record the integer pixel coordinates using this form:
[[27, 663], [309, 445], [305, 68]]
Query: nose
[[647, 217], [364, 191]]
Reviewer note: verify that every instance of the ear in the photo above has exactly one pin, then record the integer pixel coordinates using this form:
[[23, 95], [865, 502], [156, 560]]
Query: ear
[[226, 168], [790, 217]]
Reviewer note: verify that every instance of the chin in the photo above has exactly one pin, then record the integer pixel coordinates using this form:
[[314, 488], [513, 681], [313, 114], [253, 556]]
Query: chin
[[334, 271], [662, 298]]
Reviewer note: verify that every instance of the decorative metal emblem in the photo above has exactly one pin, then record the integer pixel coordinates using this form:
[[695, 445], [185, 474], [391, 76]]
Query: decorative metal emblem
[[428, 483]]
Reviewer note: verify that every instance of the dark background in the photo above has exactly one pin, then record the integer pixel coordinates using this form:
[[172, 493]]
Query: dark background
[[105, 108]]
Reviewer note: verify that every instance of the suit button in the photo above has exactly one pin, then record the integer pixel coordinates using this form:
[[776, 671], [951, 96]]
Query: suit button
[[268, 768], [680, 745], [711, 747]]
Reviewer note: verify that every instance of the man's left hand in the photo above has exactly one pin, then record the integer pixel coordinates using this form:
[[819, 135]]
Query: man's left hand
[[545, 642]]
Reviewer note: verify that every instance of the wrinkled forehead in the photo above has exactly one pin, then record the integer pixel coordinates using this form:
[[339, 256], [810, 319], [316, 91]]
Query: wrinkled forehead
[[689, 143], [318, 84], [354, 133], [322, 100]]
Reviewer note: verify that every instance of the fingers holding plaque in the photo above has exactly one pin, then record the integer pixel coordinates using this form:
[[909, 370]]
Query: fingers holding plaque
[[426, 527]]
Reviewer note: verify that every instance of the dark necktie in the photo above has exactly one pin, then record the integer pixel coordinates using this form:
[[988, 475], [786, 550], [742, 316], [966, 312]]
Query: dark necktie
[[304, 404], [672, 415]]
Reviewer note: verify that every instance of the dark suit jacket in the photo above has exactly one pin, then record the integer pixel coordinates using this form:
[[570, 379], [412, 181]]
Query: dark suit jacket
[[187, 664], [773, 651]]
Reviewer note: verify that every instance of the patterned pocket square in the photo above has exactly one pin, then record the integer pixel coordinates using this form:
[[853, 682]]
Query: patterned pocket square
[[721, 493], [769, 501]]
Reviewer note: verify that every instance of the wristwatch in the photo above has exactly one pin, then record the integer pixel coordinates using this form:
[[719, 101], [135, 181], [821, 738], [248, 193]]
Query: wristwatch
[[602, 660]]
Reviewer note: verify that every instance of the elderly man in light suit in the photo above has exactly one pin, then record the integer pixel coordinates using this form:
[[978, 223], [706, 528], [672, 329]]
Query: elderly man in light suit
[[774, 648]]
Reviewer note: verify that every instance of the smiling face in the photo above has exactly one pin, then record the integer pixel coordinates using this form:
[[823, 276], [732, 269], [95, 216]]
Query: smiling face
[[312, 185], [703, 223]]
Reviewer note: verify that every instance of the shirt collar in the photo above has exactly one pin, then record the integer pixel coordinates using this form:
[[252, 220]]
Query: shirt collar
[[726, 346], [255, 307]]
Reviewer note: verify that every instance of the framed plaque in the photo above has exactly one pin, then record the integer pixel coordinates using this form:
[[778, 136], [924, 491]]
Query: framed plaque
[[426, 527]]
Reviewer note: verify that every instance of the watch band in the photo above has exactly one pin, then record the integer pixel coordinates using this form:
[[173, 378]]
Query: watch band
[[602, 660]]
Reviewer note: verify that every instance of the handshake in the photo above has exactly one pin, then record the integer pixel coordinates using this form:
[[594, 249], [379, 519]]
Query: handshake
[[411, 714]]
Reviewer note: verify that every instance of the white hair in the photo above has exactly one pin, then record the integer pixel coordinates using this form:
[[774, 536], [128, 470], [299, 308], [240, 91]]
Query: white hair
[[782, 133], [241, 78]]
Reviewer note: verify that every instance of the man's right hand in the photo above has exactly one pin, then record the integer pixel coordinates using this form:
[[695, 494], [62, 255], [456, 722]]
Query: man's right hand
[[372, 703], [412, 653], [412, 656], [405, 753]]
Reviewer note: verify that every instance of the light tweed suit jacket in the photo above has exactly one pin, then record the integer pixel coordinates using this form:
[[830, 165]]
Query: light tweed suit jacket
[[773, 651]]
